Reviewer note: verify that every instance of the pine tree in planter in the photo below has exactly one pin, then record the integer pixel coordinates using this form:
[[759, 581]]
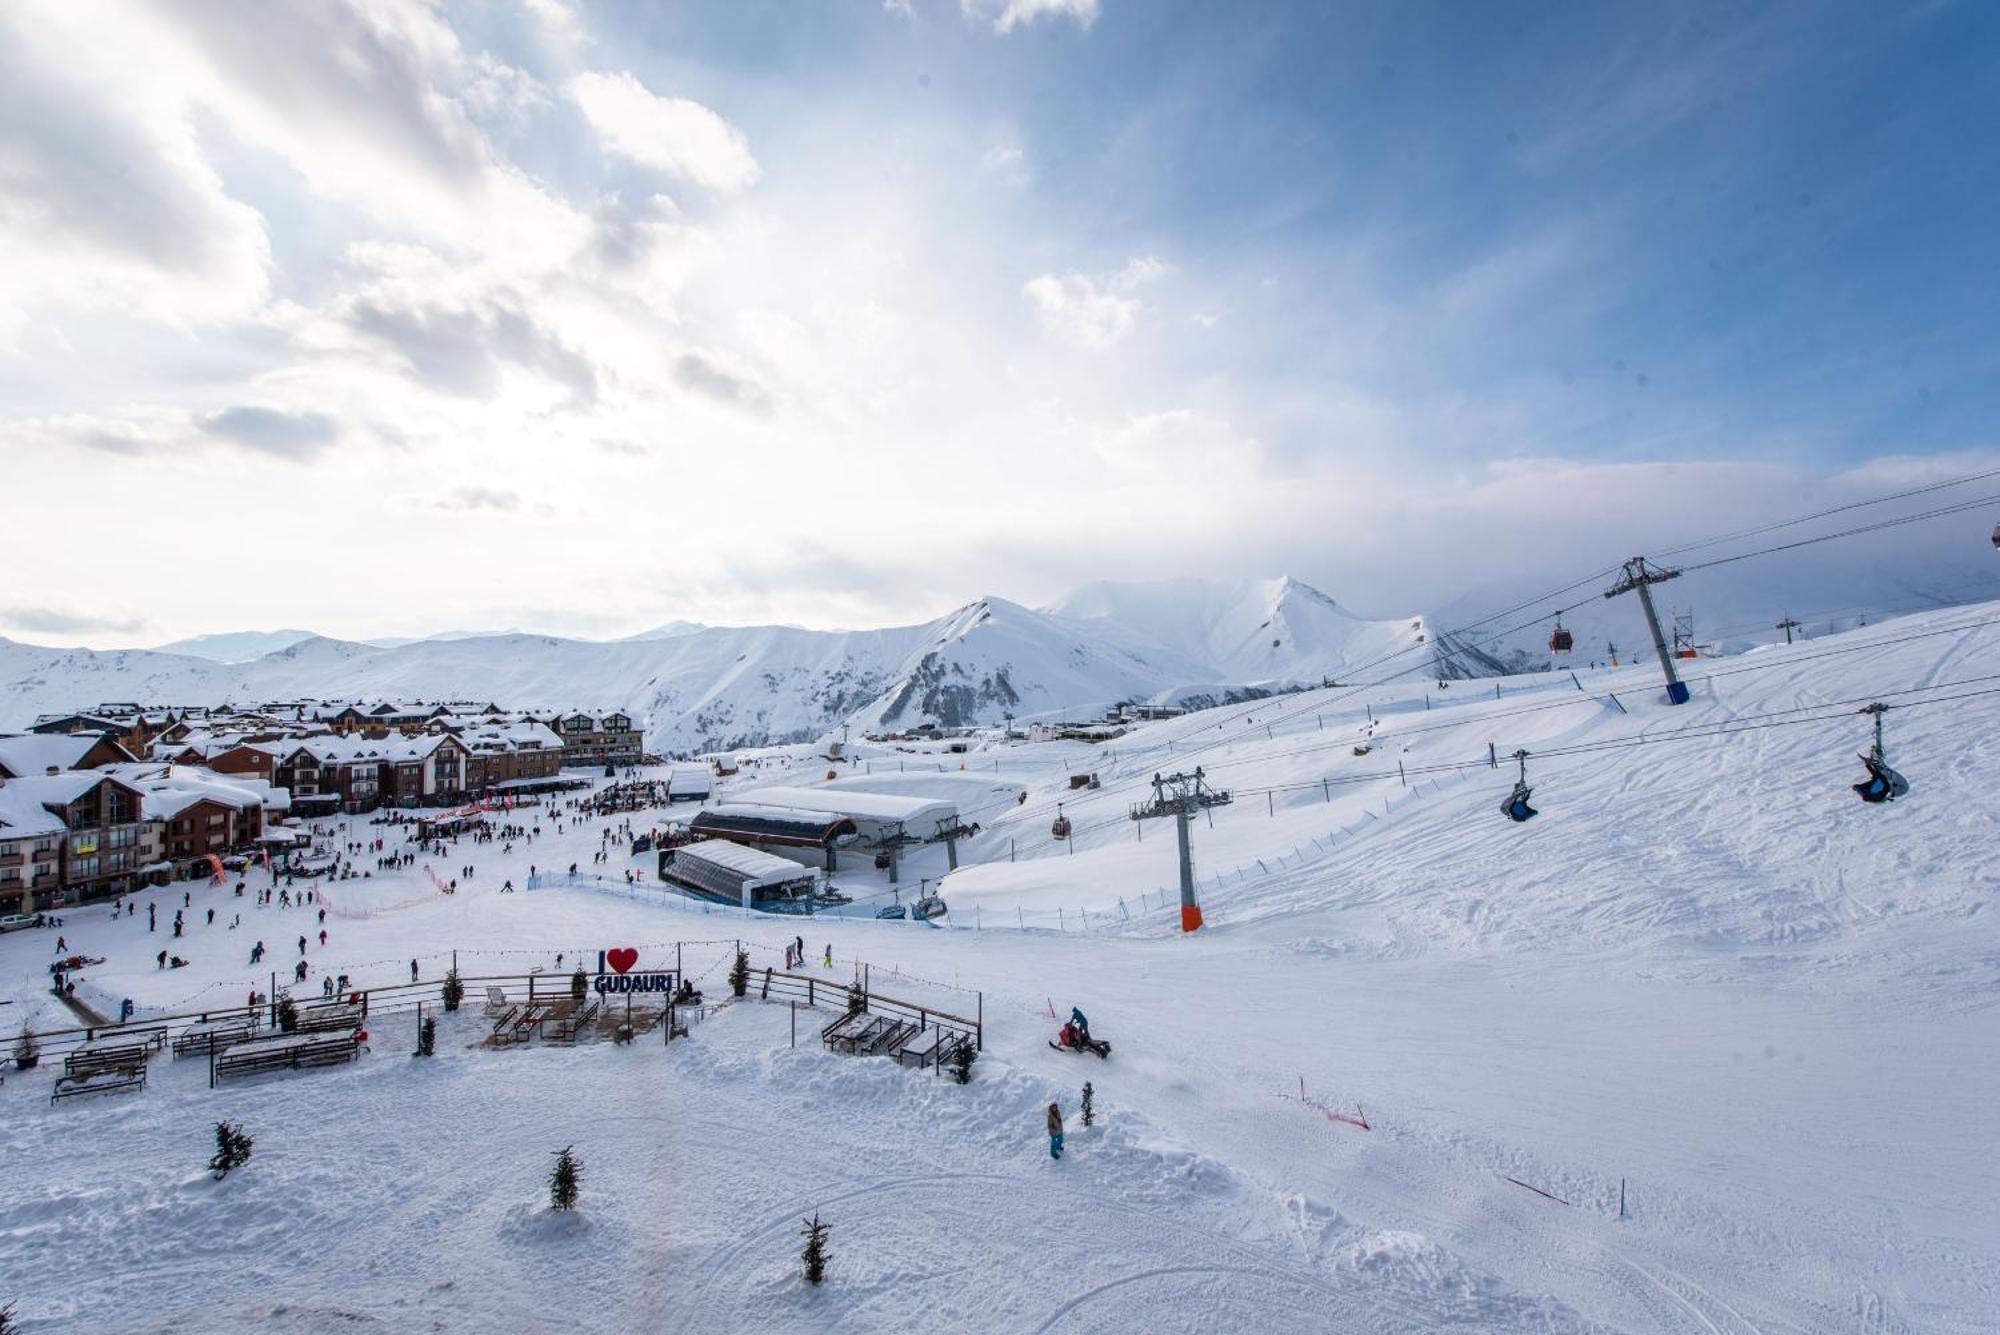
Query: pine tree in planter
[[814, 1255], [566, 1182], [232, 1149], [288, 1014], [739, 973], [27, 1050], [1089, 1108], [578, 984], [961, 1061], [857, 1000], [454, 989], [427, 1036]]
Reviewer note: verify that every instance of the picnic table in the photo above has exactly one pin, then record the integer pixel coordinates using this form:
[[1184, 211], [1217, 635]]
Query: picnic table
[[214, 1035], [288, 1052], [924, 1048], [107, 1054], [328, 1015], [106, 1081]]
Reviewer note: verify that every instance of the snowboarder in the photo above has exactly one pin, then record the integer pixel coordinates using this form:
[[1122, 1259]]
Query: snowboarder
[[1055, 1131]]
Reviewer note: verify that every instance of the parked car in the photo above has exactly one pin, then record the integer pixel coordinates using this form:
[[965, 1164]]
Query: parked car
[[14, 922]]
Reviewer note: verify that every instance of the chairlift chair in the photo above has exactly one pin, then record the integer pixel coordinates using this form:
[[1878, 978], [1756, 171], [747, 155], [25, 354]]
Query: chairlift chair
[[1883, 783], [1516, 807]]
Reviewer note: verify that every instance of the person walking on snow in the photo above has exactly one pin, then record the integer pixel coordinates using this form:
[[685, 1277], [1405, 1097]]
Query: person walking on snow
[[413, 971], [1055, 1131]]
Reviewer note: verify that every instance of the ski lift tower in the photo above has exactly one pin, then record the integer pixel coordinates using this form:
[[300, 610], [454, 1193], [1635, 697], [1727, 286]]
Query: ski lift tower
[[1641, 577], [1181, 796]]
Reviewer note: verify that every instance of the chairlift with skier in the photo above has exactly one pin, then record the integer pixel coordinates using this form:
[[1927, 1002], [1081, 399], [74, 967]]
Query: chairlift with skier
[[1516, 807], [1883, 783]]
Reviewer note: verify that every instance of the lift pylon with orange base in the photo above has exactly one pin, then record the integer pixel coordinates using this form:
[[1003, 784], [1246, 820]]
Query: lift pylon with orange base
[[1181, 796]]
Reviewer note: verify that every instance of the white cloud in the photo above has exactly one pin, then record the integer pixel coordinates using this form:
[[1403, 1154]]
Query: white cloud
[[670, 134], [1093, 310], [1007, 15]]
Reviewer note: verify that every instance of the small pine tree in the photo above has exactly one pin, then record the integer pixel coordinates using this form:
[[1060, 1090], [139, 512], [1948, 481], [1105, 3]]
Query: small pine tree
[[27, 1050], [961, 1061], [578, 984], [857, 1000], [454, 989], [7, 1326], [232, 1149], [288, 1014], [566, 1182], [814, 1255], [1089, 1107], [739, 973], [427, 1036]]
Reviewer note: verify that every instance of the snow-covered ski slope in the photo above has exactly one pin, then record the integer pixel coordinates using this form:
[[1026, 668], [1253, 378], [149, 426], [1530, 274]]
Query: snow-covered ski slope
[[1706, 971]]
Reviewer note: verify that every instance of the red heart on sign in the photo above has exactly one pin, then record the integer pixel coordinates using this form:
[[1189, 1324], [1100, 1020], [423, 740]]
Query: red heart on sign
[[622, 960]]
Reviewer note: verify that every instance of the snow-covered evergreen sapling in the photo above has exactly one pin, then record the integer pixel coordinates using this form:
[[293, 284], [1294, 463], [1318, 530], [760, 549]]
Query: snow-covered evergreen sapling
[[739, 973], [566, 1182], [1089, 1107], [27, 1050], [578, 984], [427, 1036], [232, 1149], [961, 1061], [7, 1326], [288, 1014], [454, 989], [814, 1255], [857, 1000]]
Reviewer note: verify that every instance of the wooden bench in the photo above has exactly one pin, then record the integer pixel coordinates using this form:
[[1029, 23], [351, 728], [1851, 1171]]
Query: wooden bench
[[287, 1052], [213, 1036], [101, 1082], [565, 1028], [103, 1055]]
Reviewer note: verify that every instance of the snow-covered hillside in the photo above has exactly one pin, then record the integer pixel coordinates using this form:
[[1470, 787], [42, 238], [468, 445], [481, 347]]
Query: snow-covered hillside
[[1701, 1048]]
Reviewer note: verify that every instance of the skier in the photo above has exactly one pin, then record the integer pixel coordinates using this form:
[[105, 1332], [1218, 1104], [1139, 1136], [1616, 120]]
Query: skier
[[1055, 1131]]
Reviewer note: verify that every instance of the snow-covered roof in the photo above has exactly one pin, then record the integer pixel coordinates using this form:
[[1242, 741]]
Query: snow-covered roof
[[22, 814], [757, 867], [26, 753], [864, 806], [165, 791], [690, 779]]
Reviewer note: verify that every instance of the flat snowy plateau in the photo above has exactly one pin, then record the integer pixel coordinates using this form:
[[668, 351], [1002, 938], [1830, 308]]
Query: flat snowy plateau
[[1705, 972]]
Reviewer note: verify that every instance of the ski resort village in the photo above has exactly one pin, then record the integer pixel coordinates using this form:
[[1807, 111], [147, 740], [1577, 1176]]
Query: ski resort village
[[999, 667]]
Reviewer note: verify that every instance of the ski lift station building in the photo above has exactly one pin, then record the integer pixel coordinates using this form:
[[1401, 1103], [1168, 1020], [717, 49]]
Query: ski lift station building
[[879, 818], [733, 874], [886, 821]]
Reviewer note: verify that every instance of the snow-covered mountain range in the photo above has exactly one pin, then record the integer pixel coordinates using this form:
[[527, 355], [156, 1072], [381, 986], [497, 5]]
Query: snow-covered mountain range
[[698, 688], [703, 687]]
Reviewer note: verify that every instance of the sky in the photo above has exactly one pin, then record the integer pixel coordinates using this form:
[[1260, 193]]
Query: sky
[[382, 317]]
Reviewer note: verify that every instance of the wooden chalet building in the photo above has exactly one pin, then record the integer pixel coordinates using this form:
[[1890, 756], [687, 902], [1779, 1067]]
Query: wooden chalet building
[[598, 739]]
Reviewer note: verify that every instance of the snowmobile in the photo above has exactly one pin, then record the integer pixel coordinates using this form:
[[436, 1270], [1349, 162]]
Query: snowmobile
[[1072, 1039]]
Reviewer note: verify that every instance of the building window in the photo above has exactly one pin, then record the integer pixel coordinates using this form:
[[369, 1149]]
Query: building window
[[82, 867]]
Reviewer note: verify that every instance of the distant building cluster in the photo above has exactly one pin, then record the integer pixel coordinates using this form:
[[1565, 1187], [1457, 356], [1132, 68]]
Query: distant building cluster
[[99, 802]]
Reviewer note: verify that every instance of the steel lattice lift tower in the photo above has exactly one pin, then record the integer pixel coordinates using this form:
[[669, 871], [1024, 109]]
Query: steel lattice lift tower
[[1638, 575], [1181, 796]]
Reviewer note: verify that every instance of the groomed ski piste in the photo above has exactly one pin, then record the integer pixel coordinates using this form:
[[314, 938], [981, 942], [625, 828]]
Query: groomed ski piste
[[1395, 1084]]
